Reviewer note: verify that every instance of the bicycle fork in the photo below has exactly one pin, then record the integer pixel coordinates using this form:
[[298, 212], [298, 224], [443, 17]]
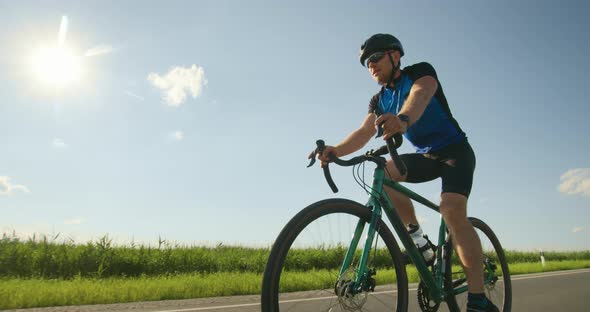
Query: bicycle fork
[[363, 274]]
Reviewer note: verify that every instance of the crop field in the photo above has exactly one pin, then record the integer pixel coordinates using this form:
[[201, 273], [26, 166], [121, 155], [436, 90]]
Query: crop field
[[44, 272]]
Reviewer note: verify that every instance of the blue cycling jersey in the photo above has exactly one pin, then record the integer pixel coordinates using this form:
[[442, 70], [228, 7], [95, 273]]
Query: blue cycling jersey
[[436, 128]]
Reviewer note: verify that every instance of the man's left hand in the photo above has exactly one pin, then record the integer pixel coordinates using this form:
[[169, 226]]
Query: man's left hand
[[391, 125]]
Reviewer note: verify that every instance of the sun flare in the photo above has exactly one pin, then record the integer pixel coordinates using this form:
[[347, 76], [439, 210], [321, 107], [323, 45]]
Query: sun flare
[[56, 66]]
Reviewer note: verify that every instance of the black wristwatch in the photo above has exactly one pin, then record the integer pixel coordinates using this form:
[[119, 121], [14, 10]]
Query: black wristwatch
[[404, 118]]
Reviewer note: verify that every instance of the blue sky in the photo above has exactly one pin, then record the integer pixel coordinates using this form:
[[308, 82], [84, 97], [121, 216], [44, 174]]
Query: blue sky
[[192, 120]]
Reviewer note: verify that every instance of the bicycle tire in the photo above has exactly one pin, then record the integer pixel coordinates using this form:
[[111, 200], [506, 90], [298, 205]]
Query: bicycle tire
[[493, 251], [281, 247]]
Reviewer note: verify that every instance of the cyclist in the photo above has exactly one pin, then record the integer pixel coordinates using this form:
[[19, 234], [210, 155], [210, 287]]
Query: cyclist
[[412, 102]]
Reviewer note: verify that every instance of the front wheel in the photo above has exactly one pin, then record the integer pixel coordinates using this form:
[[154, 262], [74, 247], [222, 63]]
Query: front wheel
[[303, 269], [497, 285]]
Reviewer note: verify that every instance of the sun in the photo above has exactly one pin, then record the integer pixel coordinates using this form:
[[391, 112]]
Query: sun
[[56, 66]]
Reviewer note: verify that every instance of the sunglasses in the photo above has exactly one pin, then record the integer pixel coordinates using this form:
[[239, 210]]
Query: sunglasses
[[376, 57]]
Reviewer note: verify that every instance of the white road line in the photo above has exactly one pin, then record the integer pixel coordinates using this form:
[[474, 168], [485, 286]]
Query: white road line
[[549, 274], [540, 275], [213, 308]]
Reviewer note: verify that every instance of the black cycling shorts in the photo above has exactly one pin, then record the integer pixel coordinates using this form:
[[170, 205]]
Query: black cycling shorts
[[455, 164]]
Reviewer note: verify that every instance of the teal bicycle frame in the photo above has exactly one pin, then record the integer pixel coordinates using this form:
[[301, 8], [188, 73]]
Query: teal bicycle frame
[[379, 201]]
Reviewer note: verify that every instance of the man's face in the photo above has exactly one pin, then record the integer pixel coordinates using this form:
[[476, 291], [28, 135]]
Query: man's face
[[380, 67]]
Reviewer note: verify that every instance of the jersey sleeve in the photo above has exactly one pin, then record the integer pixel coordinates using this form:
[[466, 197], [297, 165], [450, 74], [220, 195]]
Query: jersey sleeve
[[373, 103], [420, 70]]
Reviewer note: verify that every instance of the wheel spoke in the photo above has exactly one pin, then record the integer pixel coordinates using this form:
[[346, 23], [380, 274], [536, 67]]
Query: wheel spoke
[[494, 265], [310, 252]]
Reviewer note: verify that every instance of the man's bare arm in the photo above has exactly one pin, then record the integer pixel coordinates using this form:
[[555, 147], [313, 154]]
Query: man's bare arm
[[422, 91], [358, 138]]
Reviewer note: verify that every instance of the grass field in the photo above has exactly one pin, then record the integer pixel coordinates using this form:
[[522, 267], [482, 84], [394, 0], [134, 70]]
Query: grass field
[[29, 293], [37, 273], [50, 259]]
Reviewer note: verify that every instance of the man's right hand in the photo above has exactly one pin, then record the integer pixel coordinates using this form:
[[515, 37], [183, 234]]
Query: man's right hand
[[324, 157]]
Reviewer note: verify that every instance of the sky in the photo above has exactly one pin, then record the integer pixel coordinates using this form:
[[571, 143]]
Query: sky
[[191, 121]]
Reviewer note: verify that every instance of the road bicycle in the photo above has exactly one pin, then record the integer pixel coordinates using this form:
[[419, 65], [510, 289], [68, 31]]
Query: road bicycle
[[348, 276]]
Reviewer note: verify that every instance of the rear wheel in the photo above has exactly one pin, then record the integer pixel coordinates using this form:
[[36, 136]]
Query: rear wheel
[[303, 269], [497, 285]]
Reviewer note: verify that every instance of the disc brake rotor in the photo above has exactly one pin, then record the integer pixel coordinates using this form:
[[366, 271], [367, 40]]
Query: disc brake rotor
[[349, 301]]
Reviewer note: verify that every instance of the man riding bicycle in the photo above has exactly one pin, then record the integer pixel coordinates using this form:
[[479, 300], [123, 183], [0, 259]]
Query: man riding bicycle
[[412, 102]]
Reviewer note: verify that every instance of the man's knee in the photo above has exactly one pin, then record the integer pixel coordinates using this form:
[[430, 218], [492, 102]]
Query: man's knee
[[393, 173], [453, 208]]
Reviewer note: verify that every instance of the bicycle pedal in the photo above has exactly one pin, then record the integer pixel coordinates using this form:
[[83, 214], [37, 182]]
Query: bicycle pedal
[[372, 284]]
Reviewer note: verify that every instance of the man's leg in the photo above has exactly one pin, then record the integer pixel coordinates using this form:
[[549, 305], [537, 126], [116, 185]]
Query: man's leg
[[421, 169], [401, 202], [403, 205], [453, 208]]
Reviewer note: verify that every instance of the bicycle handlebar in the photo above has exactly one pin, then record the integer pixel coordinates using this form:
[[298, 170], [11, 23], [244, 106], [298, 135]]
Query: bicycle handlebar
[[321, 146], [392, 144], [391, 147]]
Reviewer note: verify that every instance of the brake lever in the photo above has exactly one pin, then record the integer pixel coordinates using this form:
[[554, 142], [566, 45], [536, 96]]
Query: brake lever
[[313, 158], [321, 146]]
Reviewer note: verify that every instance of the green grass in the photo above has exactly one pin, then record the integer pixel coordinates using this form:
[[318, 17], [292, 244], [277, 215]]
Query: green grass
[[45, 272], [47, 258], [29, 293], [35, 292], [525, 268]]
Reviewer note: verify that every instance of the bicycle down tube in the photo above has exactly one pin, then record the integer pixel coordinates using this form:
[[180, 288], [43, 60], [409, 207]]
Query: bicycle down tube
[[413, 252], [375, 201]]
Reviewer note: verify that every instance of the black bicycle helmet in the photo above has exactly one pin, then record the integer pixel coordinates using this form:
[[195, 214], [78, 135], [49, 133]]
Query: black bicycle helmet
[[378, 43]]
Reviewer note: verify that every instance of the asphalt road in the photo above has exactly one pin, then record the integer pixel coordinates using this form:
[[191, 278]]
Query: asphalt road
[[554, 291]]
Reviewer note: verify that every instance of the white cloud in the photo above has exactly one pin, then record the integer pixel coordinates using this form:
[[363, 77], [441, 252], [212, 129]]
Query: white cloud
[[180, 82], [133, 95], [7, 188], [177, 135], [74, 221], [576, 181], [99, 50], [59, 143], [577, 229]]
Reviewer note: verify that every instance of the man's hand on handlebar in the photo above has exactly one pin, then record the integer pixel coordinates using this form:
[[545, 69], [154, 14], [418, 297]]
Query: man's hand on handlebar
[[324, 157], [391, 125], [327, 154]]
